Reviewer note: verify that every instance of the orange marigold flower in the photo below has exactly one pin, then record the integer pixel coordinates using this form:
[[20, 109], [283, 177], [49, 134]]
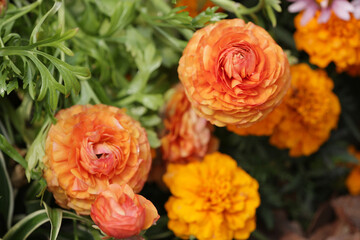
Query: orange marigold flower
[[121, 214], [353, 180], [187, 136], [335, 41], [264, 127], [234, 73], [312, 111], [91, 147], [194, 7], [212, 199]]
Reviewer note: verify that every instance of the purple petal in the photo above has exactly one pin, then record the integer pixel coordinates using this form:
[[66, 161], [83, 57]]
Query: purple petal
[[356, 4], [343, 5], [342, 9], [357, 13], [324, 16], [297, 6], [309, 13]]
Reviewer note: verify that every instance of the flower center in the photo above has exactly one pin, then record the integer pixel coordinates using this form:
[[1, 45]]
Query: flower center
[[99, 156], [237, 67], [309, 103], [216, 193]]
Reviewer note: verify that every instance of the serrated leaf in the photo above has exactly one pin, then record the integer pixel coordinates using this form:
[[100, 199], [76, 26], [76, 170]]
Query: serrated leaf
[[37, 27], [6, 193], [27, 225], [55, 217], [13, 84], [208, 16]]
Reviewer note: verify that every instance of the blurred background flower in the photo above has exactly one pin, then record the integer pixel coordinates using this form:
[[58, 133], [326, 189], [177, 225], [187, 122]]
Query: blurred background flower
[[353, 179], [312, 111], [212, 199], [187, 136], [194, 7], [335, 41], [341, 8]]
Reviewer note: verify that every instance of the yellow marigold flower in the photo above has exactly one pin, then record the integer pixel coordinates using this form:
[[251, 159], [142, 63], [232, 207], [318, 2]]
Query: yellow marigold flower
[[91, 147], [212, 199], [194, 7], [187, 136], [264, 127], [353, 180], [312, 111], [234, 73], [335, 41]]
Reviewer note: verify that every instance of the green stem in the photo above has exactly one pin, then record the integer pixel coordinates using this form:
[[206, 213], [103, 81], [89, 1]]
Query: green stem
[[238, 8], [76, 237]]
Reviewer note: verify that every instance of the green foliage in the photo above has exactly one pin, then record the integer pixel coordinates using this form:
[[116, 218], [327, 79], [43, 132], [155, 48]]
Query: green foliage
[[6, 193], [58, 53]]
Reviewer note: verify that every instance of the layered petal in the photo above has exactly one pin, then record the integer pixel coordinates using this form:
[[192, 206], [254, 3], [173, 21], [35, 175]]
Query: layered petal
[[91, 147], [187, 137], [233, 73], [121, 213]]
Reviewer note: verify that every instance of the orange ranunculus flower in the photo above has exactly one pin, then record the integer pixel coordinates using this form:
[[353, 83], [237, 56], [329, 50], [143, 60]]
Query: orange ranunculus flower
[[194, 7], [335, 41], [312, 111], [187, 136], [120, 213], [234, 73], [264, 127], [353, 179], [212, 199], [91, 147]]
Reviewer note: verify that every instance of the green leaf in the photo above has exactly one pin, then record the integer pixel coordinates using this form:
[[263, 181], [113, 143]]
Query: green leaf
[[106, 6], [51, 12], [275, 4], [208, 16], [9, 150], [152, 101], [123, 15], [3, 85], [153, 139], [150, 121], [271, 15], [73, 216], [13, 84], [36, 152], [6, 193], [55, 216], [87, 94], [27, 225]]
